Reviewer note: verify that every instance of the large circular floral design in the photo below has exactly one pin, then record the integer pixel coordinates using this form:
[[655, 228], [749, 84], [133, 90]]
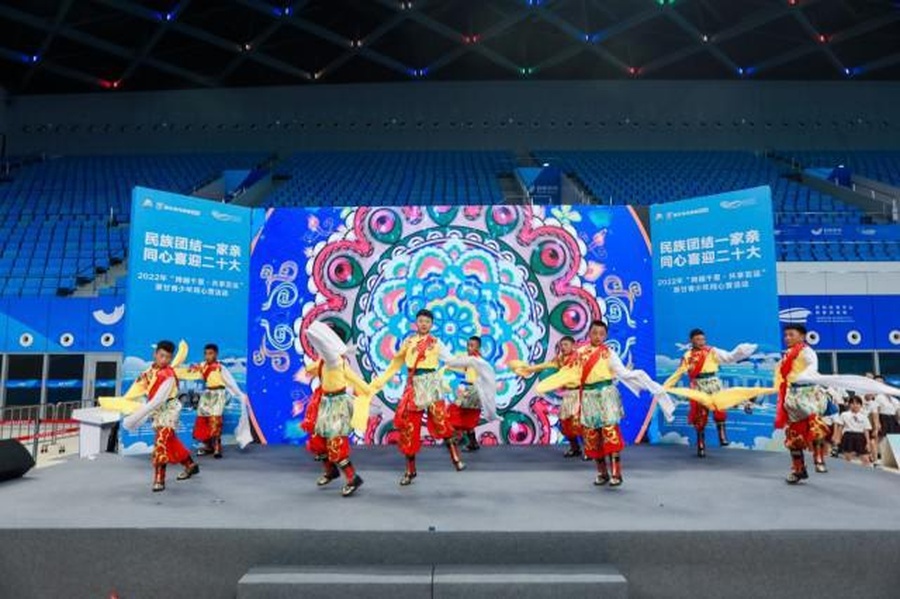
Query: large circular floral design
[[519, 277]]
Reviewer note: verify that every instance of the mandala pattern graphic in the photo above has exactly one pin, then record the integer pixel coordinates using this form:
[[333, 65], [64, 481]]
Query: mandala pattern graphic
[[518, 277]]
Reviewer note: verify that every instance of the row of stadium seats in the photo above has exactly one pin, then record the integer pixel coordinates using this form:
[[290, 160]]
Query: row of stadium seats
[[645, 178], [391, 178], [824, 251], [55, 228], [881, 166], [55, 231]]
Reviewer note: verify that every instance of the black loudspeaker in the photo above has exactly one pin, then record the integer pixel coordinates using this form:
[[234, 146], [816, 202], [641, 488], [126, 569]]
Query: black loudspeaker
[[15, 460]]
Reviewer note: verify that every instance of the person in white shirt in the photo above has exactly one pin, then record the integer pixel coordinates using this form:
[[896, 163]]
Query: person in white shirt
[[851, 432], [870, 408], [888, 408]]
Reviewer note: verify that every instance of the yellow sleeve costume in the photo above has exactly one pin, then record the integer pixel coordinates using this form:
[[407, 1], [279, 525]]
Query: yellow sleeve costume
[[334, 379], [127, 404], [408, 355]]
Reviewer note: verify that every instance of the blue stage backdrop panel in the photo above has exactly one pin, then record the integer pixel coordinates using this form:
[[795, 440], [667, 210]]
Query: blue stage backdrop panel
[[27, 325], [714, 269], [106, 324], [95, 325], [520, 277], [886, 311], [187, 279], [846, 322]]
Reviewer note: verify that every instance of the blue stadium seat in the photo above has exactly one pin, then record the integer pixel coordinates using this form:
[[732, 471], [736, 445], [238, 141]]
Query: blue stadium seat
[[54, 213]]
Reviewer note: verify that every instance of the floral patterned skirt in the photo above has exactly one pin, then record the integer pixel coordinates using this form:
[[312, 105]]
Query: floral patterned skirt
[[335, 415], [601, 407]]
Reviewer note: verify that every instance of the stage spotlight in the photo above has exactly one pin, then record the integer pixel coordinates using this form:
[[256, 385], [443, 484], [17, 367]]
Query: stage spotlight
[[705, 38]]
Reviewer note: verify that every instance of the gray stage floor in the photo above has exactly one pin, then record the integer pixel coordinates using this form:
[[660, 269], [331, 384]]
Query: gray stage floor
[[505, 489]]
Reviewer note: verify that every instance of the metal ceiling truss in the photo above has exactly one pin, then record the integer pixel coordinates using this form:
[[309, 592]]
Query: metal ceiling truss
[[404, 12]]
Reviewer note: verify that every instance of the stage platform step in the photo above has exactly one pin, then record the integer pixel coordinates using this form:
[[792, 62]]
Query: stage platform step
[[434, 582]]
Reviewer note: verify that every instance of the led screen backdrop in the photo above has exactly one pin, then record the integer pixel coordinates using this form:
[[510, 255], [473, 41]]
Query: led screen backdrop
[[520, 277]]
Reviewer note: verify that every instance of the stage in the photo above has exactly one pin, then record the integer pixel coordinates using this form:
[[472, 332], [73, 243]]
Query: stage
[[726, 526]]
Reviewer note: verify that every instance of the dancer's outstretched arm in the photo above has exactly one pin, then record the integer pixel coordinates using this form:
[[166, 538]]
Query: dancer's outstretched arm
[[741, 352], [676, 376], [393, 368], [230, 383]]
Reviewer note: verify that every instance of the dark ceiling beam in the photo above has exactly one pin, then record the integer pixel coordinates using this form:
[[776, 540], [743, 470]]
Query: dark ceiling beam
[[60, 18], [697, 35], [258, 41], [139, 11], [372, 36], [801, 18], [857, 30], [96, 43], [457, 38], [148, 47], [329, 36], [560, 57], [881, 63], [50, 67], [752, 22], [592, 47]]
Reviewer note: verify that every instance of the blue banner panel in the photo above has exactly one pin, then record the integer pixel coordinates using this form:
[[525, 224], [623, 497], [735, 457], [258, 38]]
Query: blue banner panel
[[519, 277], [61, 325], [27, 325], [841, 233], [543, 183], [67, 326], [714, 269], [106, 324], [4, 320], [846, 322], [886, 311], [187, 279]]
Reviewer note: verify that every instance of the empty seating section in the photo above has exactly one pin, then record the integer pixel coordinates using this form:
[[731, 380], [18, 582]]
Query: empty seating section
[[824, 251], [55, 214], [881, 166], [392, 178], [55, 230], [644, 178]]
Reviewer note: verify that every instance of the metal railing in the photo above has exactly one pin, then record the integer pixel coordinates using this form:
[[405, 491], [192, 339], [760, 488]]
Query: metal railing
[[41, 428]]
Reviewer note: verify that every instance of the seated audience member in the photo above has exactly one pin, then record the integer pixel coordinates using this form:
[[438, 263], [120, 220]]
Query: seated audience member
[[888, 408], [852, 428]]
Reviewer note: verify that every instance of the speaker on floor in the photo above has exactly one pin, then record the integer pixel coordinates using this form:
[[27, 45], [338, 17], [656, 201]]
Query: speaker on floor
[[15, 460]]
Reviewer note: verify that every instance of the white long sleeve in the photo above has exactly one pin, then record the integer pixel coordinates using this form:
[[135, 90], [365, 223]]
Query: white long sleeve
[[633, 379], [139, 416], [637, 380], [229, 381], [812, 366], [738, 354]]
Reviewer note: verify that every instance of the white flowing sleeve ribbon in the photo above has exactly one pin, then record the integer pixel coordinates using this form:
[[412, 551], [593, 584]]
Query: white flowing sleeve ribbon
[[485, 380]]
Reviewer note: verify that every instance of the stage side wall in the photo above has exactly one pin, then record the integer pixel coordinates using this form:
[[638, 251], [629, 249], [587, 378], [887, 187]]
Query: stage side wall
[[467, 115]]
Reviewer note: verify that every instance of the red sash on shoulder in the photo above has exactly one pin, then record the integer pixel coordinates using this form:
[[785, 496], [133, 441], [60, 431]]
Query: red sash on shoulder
[[787, 364], [208, 369], [699, 361], [600, 353], [161, 375], [312, 408], [407, 400]]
